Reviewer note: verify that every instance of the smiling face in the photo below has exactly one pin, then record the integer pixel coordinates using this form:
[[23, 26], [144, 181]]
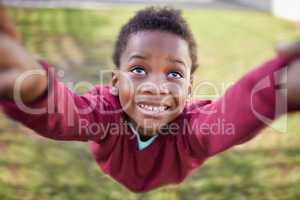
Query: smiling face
[[154, 79]]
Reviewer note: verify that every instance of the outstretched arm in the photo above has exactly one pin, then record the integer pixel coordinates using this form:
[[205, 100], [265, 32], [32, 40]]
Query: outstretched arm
[[44, 104], [247, 107]]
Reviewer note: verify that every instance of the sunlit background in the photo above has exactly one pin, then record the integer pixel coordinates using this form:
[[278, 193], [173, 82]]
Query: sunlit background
[[78, 37]]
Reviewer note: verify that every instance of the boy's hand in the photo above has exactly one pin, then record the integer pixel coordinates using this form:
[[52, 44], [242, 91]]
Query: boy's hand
[[292, 51], [7, 26], [14, 62]]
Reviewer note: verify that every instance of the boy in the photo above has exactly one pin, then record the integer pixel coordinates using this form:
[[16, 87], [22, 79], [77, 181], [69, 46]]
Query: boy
[[155, 57]]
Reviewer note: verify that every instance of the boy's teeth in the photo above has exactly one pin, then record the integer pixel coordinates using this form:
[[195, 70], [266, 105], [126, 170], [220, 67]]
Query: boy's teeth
[[153, 108]]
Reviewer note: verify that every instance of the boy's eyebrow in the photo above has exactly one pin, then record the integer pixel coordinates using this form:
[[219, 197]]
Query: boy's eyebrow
[[176, 60], [137, 56]]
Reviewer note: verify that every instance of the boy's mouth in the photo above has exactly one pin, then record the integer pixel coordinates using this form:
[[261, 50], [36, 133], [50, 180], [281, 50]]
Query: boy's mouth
[[155, 109]]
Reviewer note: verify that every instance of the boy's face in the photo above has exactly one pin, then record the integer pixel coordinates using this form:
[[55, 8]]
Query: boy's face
[[154, 79]]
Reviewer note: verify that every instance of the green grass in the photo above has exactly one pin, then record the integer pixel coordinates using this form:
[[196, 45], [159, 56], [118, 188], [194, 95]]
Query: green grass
[[81, 42]]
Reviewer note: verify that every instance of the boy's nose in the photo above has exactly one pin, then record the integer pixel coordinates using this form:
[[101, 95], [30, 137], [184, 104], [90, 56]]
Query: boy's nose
[[155, 86]]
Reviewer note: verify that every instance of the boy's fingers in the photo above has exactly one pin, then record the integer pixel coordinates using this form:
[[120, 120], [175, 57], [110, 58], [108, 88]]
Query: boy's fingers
[[291, 50], [6, 25]]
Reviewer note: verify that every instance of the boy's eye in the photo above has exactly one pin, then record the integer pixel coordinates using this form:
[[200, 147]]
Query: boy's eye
[[138, 70], [175, 75]]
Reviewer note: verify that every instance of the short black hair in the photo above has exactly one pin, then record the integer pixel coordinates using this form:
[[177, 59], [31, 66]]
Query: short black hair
[[164, 19]]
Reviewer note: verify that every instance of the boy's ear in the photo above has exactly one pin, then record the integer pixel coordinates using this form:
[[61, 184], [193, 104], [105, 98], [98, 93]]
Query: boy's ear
[[114, 90], [190, 88], [191, 84], [192, 79], [190, 91]]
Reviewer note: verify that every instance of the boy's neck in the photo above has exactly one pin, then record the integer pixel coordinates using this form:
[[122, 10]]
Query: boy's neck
[[143, 133]]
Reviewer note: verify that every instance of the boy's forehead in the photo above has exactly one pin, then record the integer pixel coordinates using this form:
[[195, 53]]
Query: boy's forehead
[[156, 42]]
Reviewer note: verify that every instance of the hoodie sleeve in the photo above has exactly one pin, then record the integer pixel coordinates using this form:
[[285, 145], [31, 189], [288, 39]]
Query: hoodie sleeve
[[248, 106], [59, 113]]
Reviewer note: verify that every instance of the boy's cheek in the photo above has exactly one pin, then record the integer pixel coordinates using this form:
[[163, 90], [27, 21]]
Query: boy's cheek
[[126, 94], [126, 86], [180, 94], [125, 80]]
